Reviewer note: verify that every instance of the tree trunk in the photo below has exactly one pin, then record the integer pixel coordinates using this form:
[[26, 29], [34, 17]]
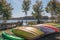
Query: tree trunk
[[26, 16], [4, 23], [56, 19], [38, 19], [52, 17], [55, 15], [38, 22]]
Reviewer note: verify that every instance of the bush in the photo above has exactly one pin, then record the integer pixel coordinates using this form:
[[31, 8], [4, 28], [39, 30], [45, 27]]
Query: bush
[[32, 23]]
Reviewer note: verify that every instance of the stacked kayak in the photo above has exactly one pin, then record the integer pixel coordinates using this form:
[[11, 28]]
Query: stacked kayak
[[1, 38], [52, 27], [27, 32], [10, 37], [47, 29]]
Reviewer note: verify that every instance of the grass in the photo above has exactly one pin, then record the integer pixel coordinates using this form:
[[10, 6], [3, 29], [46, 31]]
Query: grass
[[54, 24]]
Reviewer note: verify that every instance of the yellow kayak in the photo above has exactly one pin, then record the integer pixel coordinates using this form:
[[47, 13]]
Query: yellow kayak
[[27, 32]]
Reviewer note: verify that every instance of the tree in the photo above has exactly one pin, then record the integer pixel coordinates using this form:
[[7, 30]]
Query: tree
[[37, 7], [5, 10], [53, 7], [26, 6]]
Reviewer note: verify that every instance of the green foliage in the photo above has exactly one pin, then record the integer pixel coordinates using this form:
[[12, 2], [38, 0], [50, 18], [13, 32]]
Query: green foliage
[[53, 7], [37, 7], [5, 9], [34, 14], [26, 6], [32, 23]]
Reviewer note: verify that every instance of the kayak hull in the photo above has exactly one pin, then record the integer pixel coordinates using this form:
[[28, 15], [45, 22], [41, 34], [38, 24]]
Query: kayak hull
[[10, 37], [27, 32]]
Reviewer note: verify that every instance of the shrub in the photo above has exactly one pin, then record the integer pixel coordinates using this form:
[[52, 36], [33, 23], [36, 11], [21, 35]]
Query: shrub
[[32, 23]]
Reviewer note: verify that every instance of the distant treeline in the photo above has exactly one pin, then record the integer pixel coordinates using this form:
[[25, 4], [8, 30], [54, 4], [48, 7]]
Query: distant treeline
[[29, 18]]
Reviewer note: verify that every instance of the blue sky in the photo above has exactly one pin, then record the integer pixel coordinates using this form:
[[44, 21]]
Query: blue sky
[[17, 5]]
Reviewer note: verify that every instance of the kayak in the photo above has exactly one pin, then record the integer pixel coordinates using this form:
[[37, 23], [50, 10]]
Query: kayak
[[49, 26], [47, 29], [1, 38], [52, 27], [10, 37], [27, 32]]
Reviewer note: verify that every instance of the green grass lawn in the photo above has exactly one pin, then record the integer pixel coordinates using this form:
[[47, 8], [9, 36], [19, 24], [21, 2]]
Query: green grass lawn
[[54, 24], [57, 25]]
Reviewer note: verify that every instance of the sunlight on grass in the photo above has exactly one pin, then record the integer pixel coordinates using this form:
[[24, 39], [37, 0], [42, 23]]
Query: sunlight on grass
[[54, 24]]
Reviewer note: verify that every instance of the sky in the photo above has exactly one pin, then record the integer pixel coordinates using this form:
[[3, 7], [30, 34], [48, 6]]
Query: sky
[[17, 8]]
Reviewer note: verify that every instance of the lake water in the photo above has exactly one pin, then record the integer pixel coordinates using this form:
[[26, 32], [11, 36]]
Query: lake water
[[24, 21], [11, 21]]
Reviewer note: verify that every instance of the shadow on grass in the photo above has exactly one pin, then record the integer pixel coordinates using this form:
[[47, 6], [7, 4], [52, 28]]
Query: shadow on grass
[[53, 36]]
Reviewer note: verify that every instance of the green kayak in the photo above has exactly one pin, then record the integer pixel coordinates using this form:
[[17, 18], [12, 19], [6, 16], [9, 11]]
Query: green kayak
[[10, 37], [2, 38]]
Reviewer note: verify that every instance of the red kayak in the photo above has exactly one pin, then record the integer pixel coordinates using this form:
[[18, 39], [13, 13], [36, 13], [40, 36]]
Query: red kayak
[[52, 27]]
